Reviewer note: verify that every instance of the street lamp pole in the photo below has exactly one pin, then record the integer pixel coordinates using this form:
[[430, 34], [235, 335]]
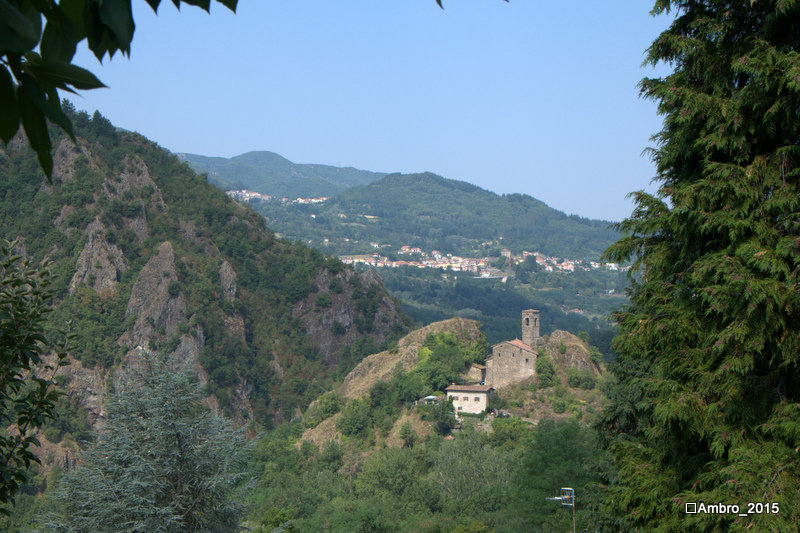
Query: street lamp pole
[[567, 498]]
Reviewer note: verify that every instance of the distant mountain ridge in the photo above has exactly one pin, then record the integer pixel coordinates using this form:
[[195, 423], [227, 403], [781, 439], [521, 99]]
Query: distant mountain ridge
[[442, 209], [273, 174], [420, 209], [435, 213]]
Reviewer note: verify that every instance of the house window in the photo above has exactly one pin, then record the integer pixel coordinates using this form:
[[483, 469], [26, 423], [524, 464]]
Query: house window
[[459, 407], [466, 398], [477, 398], [526, 359]]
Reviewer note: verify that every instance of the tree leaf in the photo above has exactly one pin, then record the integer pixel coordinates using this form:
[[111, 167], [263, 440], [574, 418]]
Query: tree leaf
[[75, 12], [63, 75], [230, 4], [154, 5], [58, 40], [36, 129], [203, 4], [9, 118], [19, 32], [116, 15]]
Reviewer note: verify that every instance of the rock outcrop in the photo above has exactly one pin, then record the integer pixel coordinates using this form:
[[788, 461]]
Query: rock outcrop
[[576, 352], [158, 309], [334, 325], [379, 366], [227, 278], [100, 263]]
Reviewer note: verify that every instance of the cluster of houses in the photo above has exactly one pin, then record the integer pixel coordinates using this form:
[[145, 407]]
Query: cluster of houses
[[480, 266], [510, 362], [434, 260], [243, 195]]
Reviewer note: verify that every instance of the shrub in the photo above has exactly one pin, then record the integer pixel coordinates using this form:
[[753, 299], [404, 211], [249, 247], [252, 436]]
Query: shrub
[[546, 372], [174, 289], [323, 301]]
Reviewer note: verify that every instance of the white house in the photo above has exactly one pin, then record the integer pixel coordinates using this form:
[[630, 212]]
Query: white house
[[469, 398]]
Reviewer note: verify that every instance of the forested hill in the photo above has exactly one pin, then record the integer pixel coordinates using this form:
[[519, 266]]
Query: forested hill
[[147, 255], [269, 173], [432, 212]]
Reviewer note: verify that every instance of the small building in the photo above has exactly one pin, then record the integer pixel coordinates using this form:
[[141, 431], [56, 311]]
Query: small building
[[469, 398]]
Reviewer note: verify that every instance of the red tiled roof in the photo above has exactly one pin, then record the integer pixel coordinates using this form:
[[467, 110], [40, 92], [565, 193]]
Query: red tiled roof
[[469, 388], [519, 344]]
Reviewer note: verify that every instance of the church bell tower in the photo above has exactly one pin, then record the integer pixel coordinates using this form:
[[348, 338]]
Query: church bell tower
[[530, 327]]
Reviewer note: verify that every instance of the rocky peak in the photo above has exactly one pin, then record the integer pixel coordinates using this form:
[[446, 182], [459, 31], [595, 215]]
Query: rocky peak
[[575, 352], [155, 300], [100, 263]]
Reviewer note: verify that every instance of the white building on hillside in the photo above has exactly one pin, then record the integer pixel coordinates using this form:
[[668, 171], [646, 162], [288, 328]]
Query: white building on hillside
[[469, 398]]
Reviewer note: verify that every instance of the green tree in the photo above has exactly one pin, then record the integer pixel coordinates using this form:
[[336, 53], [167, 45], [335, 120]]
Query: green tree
[[27, 388], [560, 454], [545, 371], [163, 462], [707, 406]]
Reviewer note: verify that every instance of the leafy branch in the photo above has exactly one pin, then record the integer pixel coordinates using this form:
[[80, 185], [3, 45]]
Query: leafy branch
[[30, 79]]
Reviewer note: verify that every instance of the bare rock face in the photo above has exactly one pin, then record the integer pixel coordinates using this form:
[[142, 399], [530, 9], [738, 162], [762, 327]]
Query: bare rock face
[[64, 157], [228, 279], [100, 263], [189, 235], [321, 322], [379, 366], [135, 177], [576, 352], [187, 354], [158, 313]]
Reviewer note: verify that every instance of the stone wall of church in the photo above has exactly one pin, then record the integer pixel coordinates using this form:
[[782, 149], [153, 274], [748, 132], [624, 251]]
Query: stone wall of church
[[509, 364]]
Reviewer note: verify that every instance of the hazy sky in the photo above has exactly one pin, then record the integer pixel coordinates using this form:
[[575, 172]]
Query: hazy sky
[[530, 96]]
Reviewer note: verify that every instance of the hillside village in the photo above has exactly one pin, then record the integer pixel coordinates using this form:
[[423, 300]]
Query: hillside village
[[483, 266]]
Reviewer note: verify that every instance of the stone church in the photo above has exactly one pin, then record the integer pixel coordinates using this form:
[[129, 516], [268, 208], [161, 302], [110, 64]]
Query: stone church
[[514, 361]]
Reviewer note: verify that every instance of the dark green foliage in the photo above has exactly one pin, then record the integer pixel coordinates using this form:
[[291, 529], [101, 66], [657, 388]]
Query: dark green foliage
[[162, 462], [583, 378], [323, 301], [355, 419], [560, 454], [408, 435], [706, 409], [27, 400], [545, 372], [442, 416], [338, 329], [443, 357], [98, 321], [327, 405], [71, 421], [174, 288]]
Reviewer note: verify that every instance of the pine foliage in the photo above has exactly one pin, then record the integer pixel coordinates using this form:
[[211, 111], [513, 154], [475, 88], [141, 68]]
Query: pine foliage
[[163, 462], [708, 403]]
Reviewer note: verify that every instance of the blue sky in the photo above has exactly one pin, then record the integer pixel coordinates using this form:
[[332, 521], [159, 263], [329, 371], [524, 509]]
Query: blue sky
[[529, 96]]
